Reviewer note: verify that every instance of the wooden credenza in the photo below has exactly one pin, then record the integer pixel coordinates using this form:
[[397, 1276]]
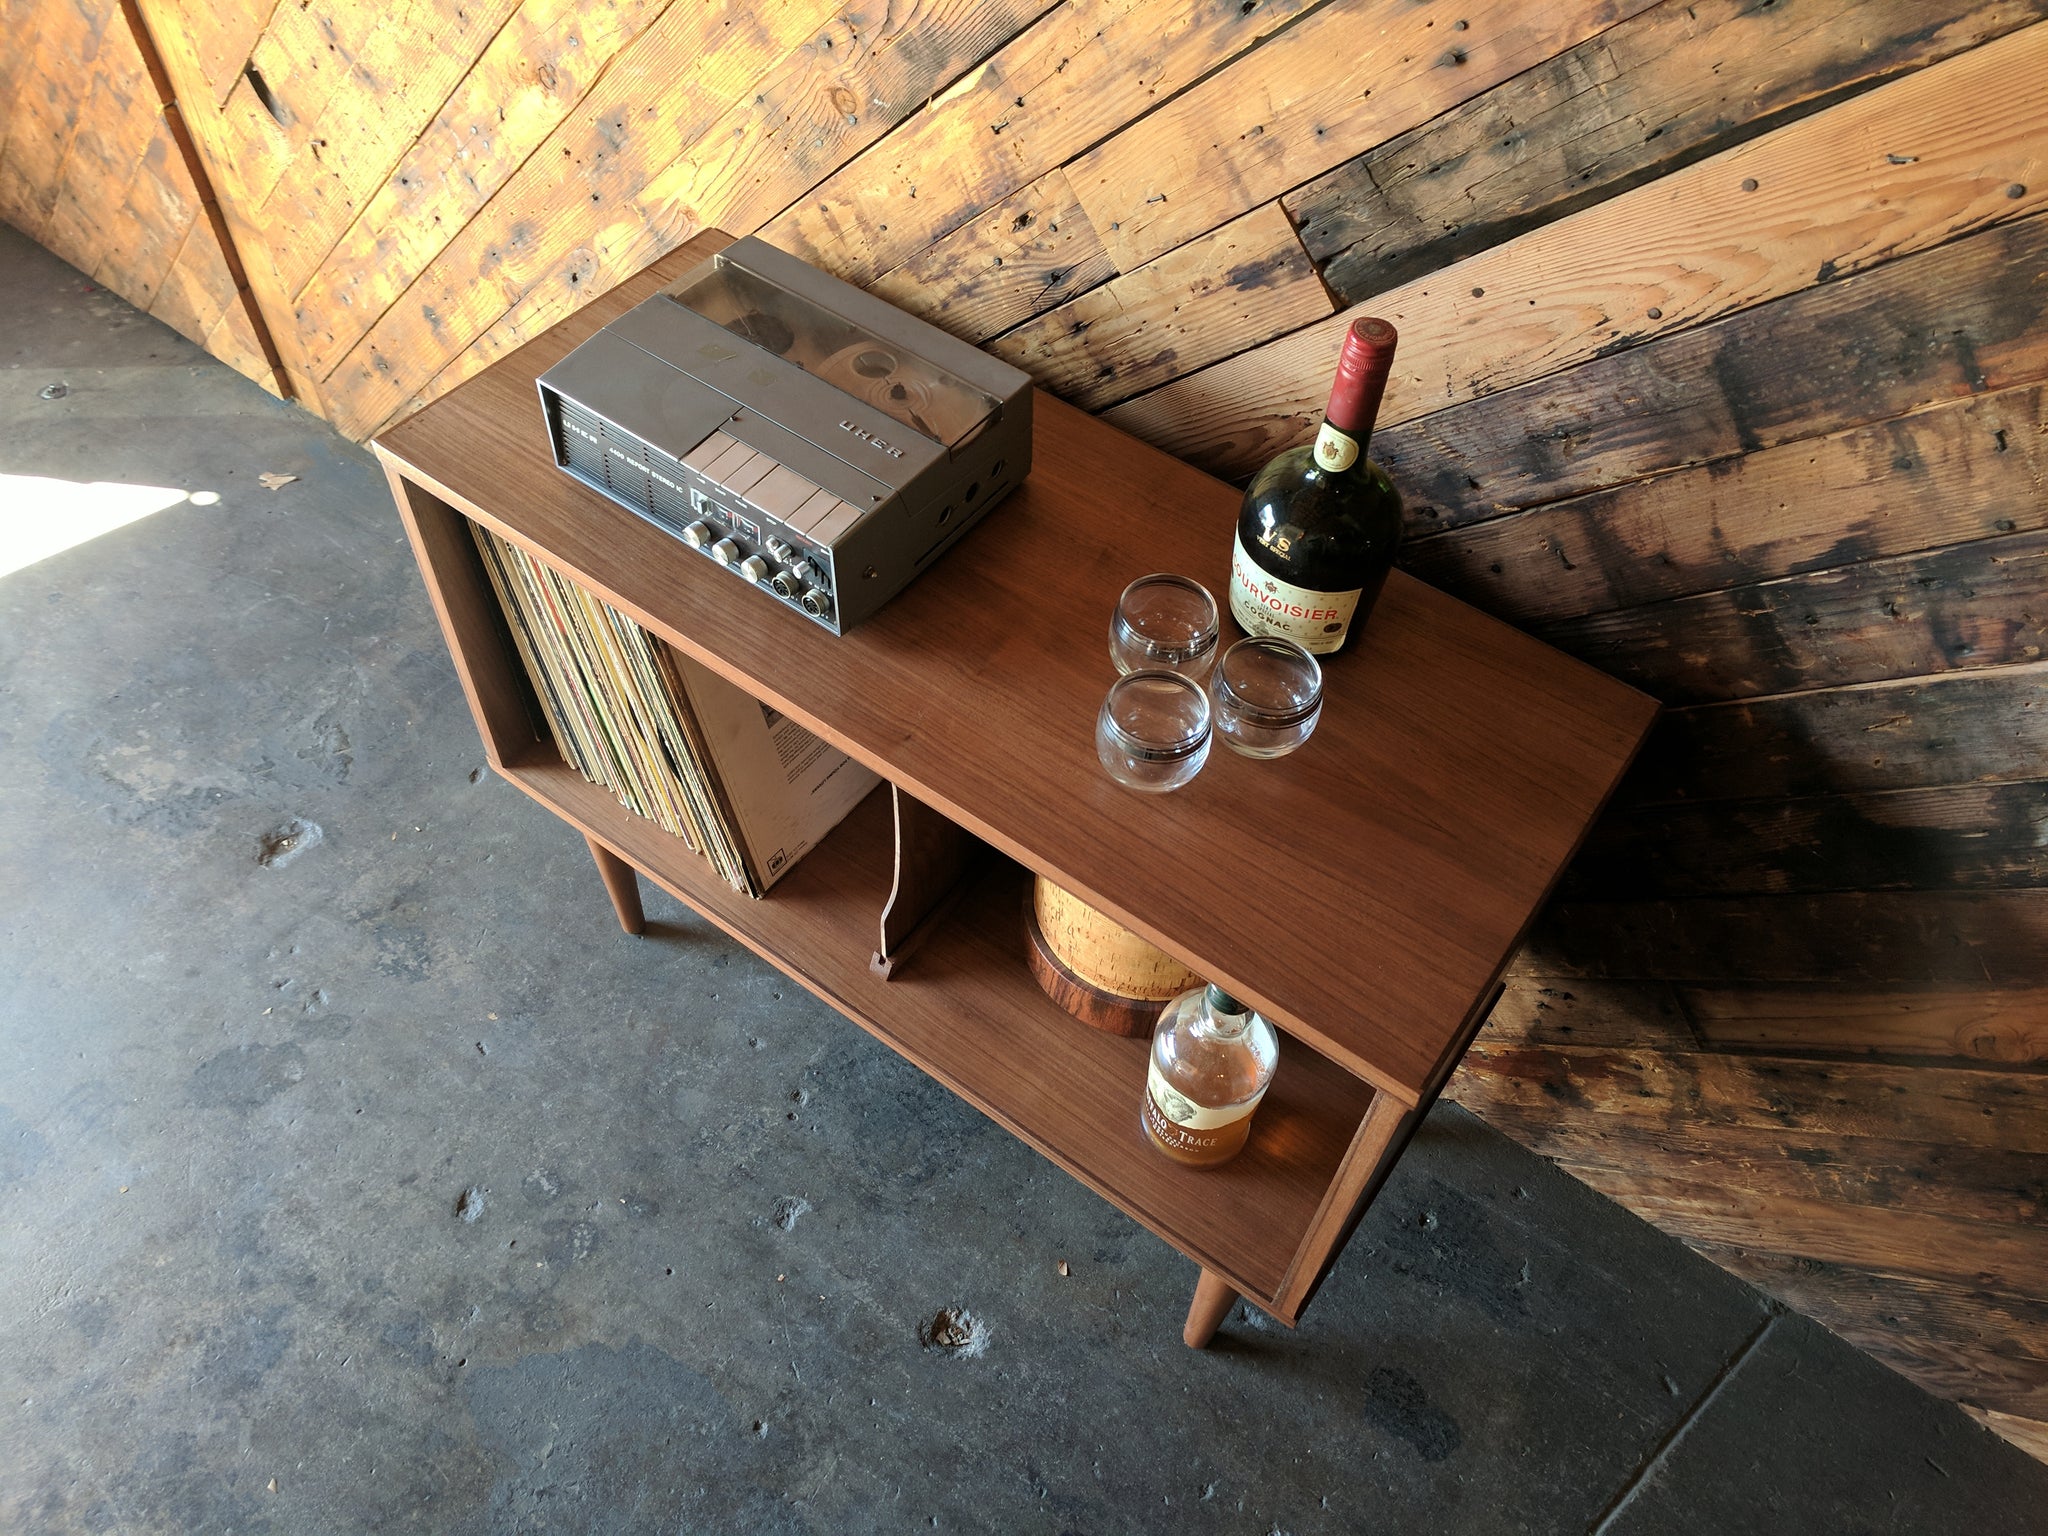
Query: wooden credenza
[[1365, 892]]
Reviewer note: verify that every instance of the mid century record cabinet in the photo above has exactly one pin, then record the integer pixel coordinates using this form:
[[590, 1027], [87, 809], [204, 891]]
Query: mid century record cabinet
[[1365, 893]]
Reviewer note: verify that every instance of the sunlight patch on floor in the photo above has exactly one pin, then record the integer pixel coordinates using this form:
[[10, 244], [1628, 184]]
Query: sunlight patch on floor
[[41, 517]]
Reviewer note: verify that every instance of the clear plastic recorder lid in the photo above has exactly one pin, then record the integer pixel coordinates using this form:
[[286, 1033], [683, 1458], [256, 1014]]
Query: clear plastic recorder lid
[[921, 395]]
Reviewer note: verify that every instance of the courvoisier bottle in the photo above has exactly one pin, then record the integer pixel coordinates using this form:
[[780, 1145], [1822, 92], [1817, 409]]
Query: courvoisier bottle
[[1321, 521], [1212, 1061]]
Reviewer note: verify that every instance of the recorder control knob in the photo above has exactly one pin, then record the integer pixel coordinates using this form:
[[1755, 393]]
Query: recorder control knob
[[803, 573], [754, 568], [697, 535], [725, 552], [781, 549], [817, 602]]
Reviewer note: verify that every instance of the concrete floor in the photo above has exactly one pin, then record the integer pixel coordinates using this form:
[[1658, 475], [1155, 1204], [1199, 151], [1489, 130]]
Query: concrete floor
[[242, 1100]]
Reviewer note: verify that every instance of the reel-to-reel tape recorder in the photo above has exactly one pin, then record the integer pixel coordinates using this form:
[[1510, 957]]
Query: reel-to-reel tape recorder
[[813, 439]]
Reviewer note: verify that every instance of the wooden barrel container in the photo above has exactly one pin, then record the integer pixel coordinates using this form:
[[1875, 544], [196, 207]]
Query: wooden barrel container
[[1096, 969]]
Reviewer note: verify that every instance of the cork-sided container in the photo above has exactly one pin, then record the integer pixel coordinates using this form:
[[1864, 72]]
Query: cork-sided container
[[1098, 970]]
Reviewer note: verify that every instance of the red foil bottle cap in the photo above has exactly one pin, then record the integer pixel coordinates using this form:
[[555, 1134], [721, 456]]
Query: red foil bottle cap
[[1362, 368]]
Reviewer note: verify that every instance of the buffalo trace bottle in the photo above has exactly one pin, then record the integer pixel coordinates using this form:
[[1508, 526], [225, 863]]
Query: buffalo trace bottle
[[1212, 1060], [1321, 522]]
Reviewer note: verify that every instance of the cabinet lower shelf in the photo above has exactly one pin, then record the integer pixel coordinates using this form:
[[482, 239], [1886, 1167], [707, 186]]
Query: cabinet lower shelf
[[966, 1011]]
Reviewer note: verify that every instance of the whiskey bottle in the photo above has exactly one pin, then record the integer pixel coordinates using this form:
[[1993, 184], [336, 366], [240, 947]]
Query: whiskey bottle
[[1212, 1060], [1320, 523]]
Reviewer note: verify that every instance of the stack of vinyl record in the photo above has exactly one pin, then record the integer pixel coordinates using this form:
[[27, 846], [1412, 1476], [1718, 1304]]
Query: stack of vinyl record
[[619, 713], [653, 727]]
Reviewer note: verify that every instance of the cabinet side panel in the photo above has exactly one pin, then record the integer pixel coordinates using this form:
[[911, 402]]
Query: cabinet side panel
[[500, 697]]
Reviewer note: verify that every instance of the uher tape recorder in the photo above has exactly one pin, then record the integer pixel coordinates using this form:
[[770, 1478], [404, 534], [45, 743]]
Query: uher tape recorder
[[809, 437]]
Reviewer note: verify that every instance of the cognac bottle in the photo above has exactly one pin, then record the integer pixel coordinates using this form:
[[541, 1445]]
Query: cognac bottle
[[1321, 522]]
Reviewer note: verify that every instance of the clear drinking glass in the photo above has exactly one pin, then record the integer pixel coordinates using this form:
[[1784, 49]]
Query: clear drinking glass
[[1268, 696], [1164, 623], [1153, 732]]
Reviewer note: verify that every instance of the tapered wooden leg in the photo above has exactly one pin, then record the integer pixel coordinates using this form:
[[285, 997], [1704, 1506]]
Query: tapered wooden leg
[[1213, 1300], [622, 883]]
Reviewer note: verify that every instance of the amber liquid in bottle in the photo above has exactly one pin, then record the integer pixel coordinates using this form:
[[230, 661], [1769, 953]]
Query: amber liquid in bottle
[[1212, 1059], [1198, 1149]]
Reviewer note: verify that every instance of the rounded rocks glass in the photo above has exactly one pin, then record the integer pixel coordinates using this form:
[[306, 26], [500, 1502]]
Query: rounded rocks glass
[[1153, 731], [1268, 693], [1164, 623]]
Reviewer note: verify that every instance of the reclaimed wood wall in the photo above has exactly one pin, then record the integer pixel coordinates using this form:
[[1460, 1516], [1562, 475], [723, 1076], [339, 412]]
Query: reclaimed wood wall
[[1725, 335], [97, 165]]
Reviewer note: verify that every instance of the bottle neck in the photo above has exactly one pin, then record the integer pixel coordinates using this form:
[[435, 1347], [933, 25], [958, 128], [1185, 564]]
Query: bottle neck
[[1363, 363], [1223, 1017]]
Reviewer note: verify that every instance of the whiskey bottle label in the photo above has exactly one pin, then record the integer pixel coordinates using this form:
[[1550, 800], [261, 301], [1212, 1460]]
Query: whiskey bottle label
[[1185, 1113], [1266, 605]]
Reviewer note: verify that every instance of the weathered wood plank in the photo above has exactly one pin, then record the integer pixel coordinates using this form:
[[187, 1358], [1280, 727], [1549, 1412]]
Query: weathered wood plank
[[1977, 1023], [197, 289], [1031, 252], [138, 231], [1962, 728], [662, 91], [389, 95], [234, 341], [154, 208], [2030, 1435], [1221, 293], [1070, 81], [1351, 75], [1823, 197], [1878, 1239], [1983, 604], [1671, 1091], [224, 146], [304, 61], [185, 182], [1969, 836], [1668, 86], [1989, 938], [1978, 1184], [778, 134], [21, 23], [740, 169], [220, 34], [1969, 318], [248, 150], [156, 216], [97, 162], [1970, 470], [1970, 1345], [47, 113], [1540, 1010], [539, 65]]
